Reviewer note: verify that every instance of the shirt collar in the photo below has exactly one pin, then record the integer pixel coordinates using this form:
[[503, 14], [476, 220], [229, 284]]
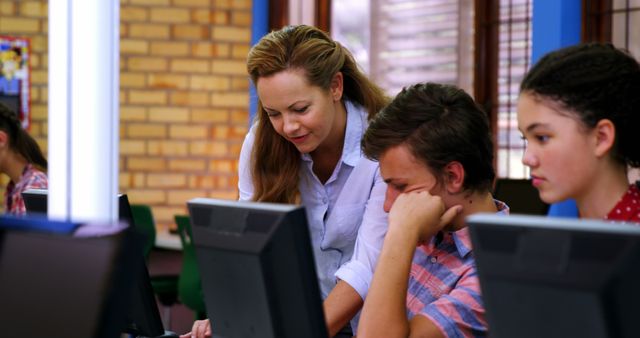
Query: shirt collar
[[27, 168], [462, 238], [354, 129], [351, 151]]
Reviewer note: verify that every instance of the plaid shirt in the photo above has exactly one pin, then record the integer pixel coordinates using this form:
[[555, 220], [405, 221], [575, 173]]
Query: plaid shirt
[[31, 179], [444, 285]]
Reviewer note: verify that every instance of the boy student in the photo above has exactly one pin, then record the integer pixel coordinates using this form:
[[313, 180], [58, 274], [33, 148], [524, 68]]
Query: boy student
[[436, 156]]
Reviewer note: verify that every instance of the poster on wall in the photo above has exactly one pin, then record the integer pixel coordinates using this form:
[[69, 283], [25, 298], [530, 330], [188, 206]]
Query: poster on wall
[[14, 76]]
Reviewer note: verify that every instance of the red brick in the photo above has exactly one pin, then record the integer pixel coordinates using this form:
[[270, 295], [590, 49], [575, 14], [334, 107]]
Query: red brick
[[170, 15], [149, 31], [147, 97], [166, 180], [235, 34], [133, 14], [187, 98], [167, 148], [10, 25], [204, 82], [169, 48], [209, 49], [190, 32], [168, 81], [143, 130], [146, 164], [168, 114]]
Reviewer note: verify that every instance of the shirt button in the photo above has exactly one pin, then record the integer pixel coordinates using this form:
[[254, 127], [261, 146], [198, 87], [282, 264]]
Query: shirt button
[[434, 260]]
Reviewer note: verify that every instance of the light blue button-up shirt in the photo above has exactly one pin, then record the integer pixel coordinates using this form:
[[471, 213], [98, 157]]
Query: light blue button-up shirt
[[348, 206]]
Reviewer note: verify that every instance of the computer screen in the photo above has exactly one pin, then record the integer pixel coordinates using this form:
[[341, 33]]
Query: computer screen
[[520, 195], [35, 202], [58, 285], [557, 277], [257, 268], [143, 316]]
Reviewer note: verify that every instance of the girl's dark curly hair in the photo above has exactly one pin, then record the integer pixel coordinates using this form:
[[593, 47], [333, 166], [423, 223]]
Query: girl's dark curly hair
[[19, 140], [593, 81]]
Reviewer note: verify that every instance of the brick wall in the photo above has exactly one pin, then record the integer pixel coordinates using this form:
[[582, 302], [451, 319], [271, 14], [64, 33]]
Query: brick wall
[[183, 95]]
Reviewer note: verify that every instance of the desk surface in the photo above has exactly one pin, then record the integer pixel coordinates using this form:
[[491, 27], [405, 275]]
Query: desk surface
[[167, 240]]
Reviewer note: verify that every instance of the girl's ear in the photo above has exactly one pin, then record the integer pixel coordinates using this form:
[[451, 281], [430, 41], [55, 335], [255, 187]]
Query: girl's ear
[[605, 137], [454, 177], [337, 86], [4, 139]]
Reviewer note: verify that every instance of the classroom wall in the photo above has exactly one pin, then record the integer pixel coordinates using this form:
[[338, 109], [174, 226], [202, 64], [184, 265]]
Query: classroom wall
[[184, 95]]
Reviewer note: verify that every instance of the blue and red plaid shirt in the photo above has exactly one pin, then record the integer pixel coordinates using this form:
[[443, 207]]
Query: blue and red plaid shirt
[[31, 178], [444, 285]]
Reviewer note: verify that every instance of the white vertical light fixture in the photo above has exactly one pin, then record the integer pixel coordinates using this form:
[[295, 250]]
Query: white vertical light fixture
[[83, 109]]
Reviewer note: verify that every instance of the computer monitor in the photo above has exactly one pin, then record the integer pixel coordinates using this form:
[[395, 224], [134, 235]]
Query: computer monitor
[[142, 315], [59, 285], [35, 202], [520, 195], [557, 277], [257, 269]]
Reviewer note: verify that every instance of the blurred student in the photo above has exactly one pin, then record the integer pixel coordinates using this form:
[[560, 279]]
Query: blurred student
[[436, 156], [304, 148], [21, 159], [579, 110]]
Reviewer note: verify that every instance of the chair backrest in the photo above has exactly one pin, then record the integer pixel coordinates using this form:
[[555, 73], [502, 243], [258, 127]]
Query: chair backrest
[[189, 285], [144, 222], [184, 230]]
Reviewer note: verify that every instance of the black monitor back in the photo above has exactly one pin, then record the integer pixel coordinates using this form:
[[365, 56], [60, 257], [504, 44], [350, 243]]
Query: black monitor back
[[257, 269], [520, 195], [143, 316], [54, 285], [549, 277], [35, 201]]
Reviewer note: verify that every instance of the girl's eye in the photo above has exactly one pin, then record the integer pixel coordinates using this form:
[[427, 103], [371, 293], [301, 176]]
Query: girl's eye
[[272, 113]]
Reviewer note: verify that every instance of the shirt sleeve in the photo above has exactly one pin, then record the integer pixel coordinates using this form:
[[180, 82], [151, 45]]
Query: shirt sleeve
[[245, 182], [460, 313], [358, 271]]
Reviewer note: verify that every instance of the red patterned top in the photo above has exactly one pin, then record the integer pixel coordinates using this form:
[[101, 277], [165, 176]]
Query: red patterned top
[[628, 208]]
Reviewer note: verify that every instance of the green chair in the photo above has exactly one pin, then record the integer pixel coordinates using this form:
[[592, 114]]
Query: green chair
[[189, 287], [144, 223], [165, 287]]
